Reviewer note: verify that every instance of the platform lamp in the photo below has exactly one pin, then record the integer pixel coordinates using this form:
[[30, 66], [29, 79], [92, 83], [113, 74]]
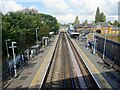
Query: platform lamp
[[13, 47], [37, 36], [8, 55], [104, 45], [7, 48], [94, 48]]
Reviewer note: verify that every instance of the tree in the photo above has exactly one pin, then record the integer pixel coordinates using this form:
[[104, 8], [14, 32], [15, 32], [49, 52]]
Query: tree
[[29, 11], [109, 22], [44, 31], [116, 23], [97, 15], [119, 25], [102, 17], [85, 23], [76, 22], [21, 27]]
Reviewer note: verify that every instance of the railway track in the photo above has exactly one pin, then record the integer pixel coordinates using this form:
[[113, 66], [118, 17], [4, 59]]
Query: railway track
[[61, 74], [89, 80]]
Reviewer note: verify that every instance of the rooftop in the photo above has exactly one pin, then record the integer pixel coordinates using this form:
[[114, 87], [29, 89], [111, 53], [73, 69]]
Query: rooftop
[[103, 24], [87, 26]]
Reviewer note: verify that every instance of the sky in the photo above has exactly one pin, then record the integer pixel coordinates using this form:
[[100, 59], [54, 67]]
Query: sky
[[65, 10]]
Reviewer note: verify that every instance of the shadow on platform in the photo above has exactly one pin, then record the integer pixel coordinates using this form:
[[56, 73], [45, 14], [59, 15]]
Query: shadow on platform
[[47, 86]]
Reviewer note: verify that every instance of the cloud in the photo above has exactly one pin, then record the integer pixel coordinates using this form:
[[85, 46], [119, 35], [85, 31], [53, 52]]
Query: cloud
[[84, 7], [6, 6], [111, 8], [32, 7], [57, 7], [10, 5], [66, 10], [66, 18], [69, 18], [112, 18]]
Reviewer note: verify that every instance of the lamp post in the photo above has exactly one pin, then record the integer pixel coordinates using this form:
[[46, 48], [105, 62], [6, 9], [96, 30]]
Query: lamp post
[[7, 48], [37, 35], [94, 48], [7, 54], [15, 68], [104, 44]]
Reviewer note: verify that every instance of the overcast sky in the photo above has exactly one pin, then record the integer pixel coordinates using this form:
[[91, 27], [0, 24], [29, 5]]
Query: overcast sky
[[65, 10]]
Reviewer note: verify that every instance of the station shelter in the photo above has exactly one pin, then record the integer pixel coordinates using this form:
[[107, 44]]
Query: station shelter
[[45, 41]]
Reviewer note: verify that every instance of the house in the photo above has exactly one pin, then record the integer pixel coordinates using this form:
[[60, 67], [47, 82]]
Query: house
[[81, 27], [102, 26]]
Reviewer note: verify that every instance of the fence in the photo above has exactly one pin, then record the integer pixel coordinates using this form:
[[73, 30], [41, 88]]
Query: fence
[[112, 49]]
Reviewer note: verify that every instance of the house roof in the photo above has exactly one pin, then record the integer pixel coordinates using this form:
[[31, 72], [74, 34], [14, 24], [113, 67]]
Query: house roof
[[103, 24], [87, 26], [79, 25]]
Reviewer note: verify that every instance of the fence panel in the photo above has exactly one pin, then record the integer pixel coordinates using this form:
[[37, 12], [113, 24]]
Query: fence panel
[[112, 49]]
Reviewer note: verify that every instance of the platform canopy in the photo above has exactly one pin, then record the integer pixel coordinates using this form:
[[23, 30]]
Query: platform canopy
[[74, 33], [35, 46], [45, 37], [51, 33]]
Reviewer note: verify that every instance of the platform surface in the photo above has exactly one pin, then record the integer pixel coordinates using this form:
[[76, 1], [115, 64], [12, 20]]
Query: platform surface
[[92, 68], [40, 75], [31, 69], [109, 74]]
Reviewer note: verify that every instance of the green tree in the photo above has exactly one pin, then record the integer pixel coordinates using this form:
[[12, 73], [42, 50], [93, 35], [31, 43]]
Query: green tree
[[97, 16], [102, 17], [85, 23], [109, 22], [21, 26], [76, 22], [44, 31], [116, 23], [119, 25]]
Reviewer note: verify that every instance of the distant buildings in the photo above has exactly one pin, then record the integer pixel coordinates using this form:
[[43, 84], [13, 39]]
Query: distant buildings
[[102, 26], [80, 27], [99, 27]]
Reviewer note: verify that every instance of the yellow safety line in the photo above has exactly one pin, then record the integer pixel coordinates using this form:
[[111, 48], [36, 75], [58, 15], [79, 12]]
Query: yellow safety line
[[38, 71], [35, 77]]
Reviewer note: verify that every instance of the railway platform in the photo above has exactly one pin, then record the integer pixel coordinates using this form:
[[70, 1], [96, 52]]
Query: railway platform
[[34, 75], [29, 75], [109, 74], [40, 75]]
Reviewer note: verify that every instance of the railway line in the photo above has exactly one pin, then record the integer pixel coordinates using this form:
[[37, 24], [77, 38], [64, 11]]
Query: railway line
[[61, 73], [67, 70], [89, 80]]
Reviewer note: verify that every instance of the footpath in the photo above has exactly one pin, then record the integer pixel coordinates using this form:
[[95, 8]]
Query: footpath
[[109, 74]]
